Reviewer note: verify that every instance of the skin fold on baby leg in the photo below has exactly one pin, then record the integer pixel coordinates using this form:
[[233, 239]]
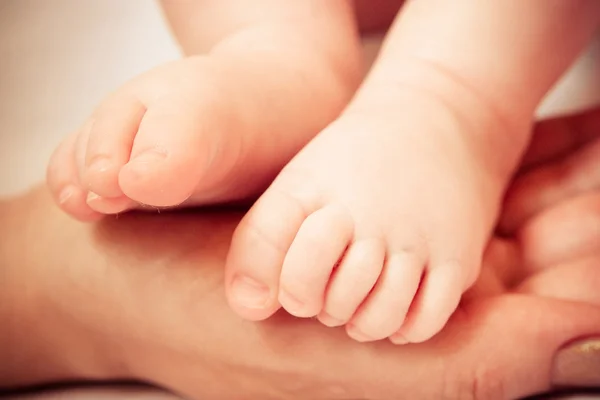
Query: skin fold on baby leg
[[380, 222]]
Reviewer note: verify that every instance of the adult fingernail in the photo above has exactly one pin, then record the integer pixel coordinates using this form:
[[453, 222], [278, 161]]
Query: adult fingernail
[[577, 364], [249, 292]]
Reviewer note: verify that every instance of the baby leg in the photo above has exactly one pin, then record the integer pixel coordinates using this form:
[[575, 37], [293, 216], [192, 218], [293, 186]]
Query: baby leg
[[216, 126]]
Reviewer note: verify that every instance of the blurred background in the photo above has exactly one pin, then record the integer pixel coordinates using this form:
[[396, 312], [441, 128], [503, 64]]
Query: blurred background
[[58, 59]]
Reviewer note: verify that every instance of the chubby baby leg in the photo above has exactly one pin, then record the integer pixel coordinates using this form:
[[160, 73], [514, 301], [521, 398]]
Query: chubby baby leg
[[216, 126]]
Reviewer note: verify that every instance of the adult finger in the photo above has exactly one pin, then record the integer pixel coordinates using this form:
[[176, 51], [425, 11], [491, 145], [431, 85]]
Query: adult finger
[[557, 137], [551, 183], [566, 232]]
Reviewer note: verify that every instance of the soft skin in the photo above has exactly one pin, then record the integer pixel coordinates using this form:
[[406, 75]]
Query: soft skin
[[397, 178], [142, 297]]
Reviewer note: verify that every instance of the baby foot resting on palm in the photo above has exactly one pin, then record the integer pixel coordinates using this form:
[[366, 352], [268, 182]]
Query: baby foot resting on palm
[[381, 221], [375, 224]]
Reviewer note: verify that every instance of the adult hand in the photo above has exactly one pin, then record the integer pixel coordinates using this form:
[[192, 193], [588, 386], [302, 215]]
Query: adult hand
[[141, 297]]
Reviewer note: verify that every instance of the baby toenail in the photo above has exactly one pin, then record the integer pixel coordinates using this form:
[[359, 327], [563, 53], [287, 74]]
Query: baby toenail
[[100, 164], [357, 334], [91, 197], [398, 338], [150, 156], [290, 302], [330, 321], [66, 194], [249, 292]]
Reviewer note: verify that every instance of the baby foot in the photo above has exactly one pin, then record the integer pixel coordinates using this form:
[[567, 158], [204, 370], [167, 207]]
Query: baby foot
[[203, 129], [379, 224]]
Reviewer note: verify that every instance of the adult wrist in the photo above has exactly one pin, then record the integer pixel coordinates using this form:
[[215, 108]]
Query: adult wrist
[[41, 341]]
